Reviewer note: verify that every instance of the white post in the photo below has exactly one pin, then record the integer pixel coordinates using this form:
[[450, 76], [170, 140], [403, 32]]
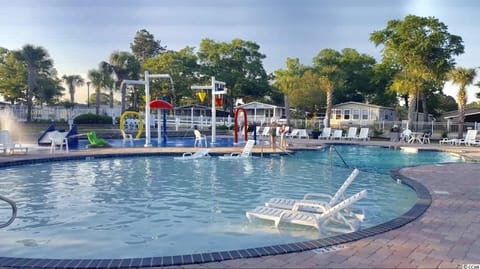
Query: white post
[[159, 130], [147, 110], [214, 113]]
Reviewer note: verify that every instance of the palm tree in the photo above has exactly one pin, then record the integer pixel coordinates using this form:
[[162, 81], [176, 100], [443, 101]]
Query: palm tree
[[96, 78], [124, 66], [463, 77], [73, 81], [36, 60]]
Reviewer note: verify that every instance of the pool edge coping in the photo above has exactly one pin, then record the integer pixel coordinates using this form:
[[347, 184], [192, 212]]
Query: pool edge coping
[[423, 202]]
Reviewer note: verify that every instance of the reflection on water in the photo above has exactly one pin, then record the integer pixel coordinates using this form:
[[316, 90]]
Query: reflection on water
[[137, 207]]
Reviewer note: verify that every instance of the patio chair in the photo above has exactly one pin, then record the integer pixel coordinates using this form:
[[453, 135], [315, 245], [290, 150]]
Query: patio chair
[[246, 153], [202, 153], [327, 131], [127, 137], [320, 221], [352, 133], [266, 131], [363, 135], [470, 138], [318, 199], [58, 139], [337, 134], [200, 140], [7, 144]]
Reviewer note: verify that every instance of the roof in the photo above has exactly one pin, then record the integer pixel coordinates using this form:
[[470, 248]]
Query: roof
[[468, 112], [362, 104], [258, 105]]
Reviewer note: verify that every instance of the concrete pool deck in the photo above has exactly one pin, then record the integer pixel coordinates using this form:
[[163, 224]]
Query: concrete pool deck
[[447, 235]]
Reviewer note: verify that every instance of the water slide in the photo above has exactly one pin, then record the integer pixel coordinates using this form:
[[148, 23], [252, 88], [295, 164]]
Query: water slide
[[44, 140]]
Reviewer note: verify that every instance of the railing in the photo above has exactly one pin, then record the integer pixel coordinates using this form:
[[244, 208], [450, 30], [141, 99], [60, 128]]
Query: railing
[[14, 211]]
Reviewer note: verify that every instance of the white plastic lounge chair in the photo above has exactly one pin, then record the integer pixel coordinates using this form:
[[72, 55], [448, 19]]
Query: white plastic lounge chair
[[337, 134], [298, 133], [266, 131], [406, 135], [58, 139], [8, 146], [363, 135], [202, 153], [317, 199], [200, 140], [352, 133], [127, 137], [469, 138], [319, 221], [327, 131], [246, 153]]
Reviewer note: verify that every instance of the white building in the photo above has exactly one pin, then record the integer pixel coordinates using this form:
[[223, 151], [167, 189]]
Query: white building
[[355, 113], [263, 113]]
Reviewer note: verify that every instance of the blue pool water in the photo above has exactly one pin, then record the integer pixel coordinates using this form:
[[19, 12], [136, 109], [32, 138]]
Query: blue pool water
[[170, 142], [157, 206]]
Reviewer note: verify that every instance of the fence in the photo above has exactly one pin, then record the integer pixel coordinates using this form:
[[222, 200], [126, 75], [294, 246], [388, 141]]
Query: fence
[[379, 128]]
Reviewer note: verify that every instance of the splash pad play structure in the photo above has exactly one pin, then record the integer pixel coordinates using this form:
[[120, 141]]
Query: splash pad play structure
[[217, 89], [156, 104]]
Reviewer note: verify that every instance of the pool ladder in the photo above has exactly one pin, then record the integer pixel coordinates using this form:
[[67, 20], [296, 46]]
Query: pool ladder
[[14, 211]]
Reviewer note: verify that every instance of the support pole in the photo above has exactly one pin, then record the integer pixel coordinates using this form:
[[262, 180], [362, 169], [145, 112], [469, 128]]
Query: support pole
[[214, 113], [147, 110]]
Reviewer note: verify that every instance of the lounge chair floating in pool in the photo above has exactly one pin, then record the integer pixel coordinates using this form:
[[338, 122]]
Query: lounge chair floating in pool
[[313, 201], [247, 151], [194, 155], [332, 219], [96, 142]]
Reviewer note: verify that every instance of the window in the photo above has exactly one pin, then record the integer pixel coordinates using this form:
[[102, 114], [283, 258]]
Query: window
[[346, 114], [356, 114], [364, 114], [337, 114]]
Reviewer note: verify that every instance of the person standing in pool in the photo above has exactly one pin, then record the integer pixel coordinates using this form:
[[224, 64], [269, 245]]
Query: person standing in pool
[[273, 135]]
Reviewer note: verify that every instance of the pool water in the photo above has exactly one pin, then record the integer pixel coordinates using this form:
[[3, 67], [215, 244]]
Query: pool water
[[157, 206], [170, 142]]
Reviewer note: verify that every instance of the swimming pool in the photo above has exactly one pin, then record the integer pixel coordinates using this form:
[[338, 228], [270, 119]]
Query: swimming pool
[[170, 142], [156, 206]]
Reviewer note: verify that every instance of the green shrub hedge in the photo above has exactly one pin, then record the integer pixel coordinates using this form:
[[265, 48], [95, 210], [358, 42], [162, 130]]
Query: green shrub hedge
[[92, 119]]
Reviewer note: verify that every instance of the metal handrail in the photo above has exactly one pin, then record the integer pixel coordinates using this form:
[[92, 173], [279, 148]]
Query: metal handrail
[[339, 155], [14, 211]]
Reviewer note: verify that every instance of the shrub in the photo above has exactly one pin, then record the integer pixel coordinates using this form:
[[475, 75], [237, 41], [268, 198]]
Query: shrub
[[92, 119]]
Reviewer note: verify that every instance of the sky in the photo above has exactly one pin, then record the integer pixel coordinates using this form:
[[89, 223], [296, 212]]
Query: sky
[[80, 34]]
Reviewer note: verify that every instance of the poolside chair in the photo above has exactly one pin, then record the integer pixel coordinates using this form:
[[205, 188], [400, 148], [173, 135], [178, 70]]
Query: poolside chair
[[266, 131], [58, 139], [352, 133], [200, 140], [337, 134], [7, 144], [202, 153], [326, 133], [363, 135], [406, 135], [469, 139], [322, 221], [321, 201], [127, 137], [246, 153]]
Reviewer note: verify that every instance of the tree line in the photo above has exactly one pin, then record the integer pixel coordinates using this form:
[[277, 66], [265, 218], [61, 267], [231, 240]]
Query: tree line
[[417, 59]]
